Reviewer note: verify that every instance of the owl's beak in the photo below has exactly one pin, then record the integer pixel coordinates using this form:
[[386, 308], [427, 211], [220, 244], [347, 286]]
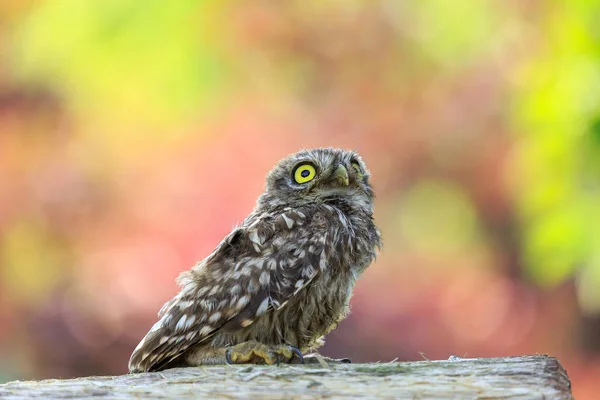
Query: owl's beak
[[341, 175]]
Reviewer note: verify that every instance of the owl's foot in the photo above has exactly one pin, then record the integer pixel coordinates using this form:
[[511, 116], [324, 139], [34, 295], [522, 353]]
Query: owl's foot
[[253, 352]]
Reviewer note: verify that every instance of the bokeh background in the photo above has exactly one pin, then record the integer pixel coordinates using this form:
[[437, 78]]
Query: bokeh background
[[134, 135]]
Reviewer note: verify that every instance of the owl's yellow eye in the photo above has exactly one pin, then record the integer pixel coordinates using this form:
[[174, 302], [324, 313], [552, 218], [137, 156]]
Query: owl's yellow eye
[[304, 173], [356, 167]]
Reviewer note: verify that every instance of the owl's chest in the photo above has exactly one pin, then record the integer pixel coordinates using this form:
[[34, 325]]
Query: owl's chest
[[328, 295], [316, 309], [353, 238]]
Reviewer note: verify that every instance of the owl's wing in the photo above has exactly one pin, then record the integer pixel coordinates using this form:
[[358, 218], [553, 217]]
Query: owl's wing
[[254, 269]]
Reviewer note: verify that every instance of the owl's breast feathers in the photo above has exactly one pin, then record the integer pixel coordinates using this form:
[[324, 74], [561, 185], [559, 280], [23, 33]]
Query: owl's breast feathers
[[258, 269]]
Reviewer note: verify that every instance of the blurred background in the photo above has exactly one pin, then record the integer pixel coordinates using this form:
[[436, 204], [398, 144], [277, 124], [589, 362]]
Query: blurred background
[[134, 135]]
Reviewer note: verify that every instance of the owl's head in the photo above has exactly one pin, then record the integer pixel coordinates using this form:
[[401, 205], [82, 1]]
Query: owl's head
[[324, 175]]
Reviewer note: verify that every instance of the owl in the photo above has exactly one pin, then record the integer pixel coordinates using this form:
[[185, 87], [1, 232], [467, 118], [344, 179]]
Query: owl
[[279, 282]]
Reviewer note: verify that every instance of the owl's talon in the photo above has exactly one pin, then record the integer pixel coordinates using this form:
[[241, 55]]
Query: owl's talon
[[297, 351], [228, 355]]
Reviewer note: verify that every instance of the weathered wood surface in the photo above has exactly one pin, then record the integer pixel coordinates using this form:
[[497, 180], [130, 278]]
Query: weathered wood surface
[[528, 377]]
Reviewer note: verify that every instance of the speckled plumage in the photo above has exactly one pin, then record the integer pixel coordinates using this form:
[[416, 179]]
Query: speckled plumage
[[283, 277]]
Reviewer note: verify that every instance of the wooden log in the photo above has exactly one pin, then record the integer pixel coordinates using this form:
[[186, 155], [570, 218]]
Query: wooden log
[[526, 377]]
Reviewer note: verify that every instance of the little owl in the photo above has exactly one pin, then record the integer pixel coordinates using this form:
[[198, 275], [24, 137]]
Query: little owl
[[282, 280]]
